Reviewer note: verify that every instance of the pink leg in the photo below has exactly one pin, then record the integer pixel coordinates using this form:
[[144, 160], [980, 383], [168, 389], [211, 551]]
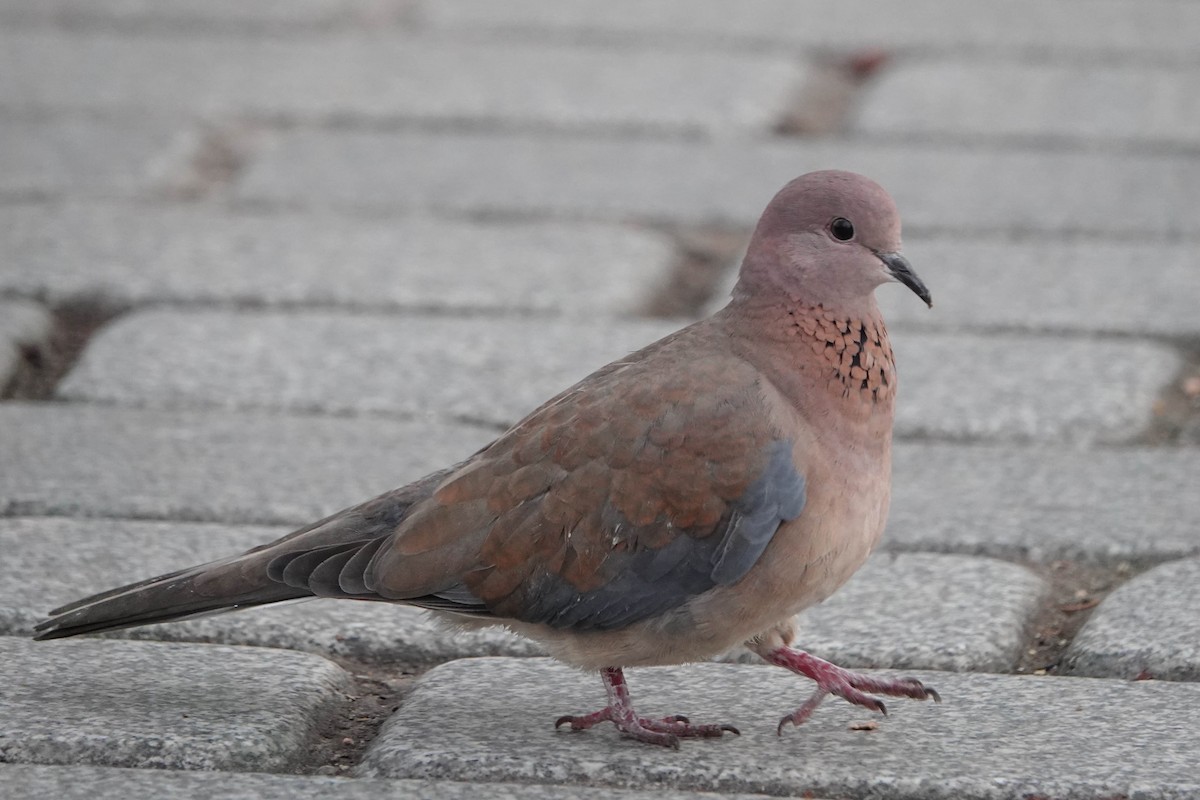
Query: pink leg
[[850, 686], [619, 711]]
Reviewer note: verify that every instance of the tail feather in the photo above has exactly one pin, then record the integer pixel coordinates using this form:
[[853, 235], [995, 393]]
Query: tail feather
[[271, 573], [95, 598], [164, 599]]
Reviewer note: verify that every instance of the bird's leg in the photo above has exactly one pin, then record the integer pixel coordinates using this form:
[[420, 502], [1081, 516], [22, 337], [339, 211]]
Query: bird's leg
[[850, 686], [619, 711]]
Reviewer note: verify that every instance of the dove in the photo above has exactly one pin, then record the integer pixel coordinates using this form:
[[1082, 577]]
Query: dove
[[690, 497]]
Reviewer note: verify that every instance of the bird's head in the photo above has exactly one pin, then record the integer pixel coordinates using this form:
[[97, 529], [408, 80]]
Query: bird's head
[[827, 238]]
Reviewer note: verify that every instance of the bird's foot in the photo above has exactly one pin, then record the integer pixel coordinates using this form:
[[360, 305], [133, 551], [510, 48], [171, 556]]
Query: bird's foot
[[850, 686], [665, 731]]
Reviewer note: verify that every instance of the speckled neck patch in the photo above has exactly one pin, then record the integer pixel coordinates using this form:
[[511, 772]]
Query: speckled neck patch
[[857, 351]]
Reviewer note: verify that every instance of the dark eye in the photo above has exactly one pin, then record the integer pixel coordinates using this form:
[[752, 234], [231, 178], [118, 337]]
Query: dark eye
[[842, 229]]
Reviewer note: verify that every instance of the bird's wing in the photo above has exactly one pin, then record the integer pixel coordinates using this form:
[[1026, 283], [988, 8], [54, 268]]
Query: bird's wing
[[644, 486]]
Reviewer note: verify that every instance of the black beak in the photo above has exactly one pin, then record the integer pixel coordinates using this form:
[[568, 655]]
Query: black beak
[[899, 268]]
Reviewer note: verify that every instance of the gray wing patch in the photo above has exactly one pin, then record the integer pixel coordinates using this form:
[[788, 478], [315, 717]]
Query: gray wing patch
[[650, 582], [777, 496]]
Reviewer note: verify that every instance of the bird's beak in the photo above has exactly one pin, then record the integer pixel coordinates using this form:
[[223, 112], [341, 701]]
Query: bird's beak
[[899, 268]]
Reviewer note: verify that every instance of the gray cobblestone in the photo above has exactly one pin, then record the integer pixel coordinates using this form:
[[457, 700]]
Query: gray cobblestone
[[161, 705], [244, 468], [226, 15], [24, 326], [1148, 105], [1049, 285], [495, 370], [923, 611], [1065, 27], [109, 783], [1028, 388], [975, 744], [123, 254], [87, 157], [1149, 625], [398, 78], [1043, 503], [728, 182], [954, 386]]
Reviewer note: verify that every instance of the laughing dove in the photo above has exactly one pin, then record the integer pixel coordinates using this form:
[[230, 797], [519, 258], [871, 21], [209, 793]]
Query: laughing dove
[[692, 496]]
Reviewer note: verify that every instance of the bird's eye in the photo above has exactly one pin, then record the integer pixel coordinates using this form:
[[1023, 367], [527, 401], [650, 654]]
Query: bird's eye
[[842, 229]]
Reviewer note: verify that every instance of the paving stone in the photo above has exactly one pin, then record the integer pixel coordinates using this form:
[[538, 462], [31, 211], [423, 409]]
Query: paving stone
[[1042, 284], [1046, 285], [398, 78], [909, 611], [1105, 505], [995, 386], [241, 468], [87, 157], [1028, 388], [1037, 503], [1190, 435], [1139, 104], [1065, 27], [24, 327], [160, 705], [936, 186], [993, 737], [49, 562], [922, 611], [111, 783], [494, 370], [226, 15], [1150, 624], [122, 254]]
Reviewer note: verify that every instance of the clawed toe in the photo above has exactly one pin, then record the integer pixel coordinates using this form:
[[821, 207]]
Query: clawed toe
[[852, 687], [663, 731], [666, 731]]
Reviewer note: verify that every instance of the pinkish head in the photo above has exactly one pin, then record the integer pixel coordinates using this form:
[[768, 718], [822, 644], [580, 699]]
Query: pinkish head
[[826, 238]]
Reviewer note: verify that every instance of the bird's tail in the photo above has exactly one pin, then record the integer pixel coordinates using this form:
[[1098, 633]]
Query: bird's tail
[[210, 588], [325, 559]]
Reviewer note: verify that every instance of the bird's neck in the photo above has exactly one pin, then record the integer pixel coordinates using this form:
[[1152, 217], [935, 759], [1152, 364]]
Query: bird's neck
[[842, 352]]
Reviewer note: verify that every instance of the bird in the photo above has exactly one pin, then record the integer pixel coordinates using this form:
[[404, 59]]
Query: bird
[[690, 497]]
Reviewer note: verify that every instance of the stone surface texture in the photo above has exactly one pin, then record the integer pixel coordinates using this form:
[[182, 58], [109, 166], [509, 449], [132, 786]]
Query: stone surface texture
[[1067, 28], [24, 328], [160, 705], [109, 783], [87, 157], [935, 185], [1151, 104], [971, 745], [396, 78], [925, 611], [126, 254], [954, 386], [1149, 627], [490, 370], [1100, 506], [219, 15], [251, 468]]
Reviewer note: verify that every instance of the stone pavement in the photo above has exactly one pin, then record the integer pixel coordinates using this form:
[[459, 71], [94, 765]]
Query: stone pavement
[[263, 260]]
